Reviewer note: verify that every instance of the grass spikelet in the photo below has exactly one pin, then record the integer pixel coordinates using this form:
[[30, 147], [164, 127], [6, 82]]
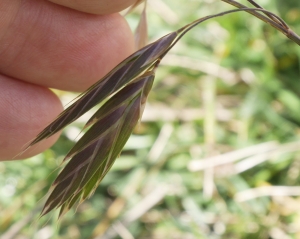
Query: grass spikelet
[[124, 91]]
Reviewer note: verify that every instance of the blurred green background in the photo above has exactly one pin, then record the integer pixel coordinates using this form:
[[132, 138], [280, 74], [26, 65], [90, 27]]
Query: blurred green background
[[217, 154]]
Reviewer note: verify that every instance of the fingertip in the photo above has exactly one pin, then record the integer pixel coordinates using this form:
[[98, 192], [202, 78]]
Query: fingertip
[[67, 50], [25, 109]]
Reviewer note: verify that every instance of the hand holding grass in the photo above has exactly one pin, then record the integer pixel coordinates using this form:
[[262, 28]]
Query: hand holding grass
[[123, 92], [62, 44]]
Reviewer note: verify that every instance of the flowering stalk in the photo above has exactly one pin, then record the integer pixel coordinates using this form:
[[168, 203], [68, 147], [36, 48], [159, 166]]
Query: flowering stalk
[[125, 90]]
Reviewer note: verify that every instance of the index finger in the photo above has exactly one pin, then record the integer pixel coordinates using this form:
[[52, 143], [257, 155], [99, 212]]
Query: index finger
[[96, 6]]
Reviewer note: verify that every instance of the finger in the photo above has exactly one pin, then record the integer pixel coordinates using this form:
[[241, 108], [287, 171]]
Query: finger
[[50, 45], [25, 109], [96, 6]]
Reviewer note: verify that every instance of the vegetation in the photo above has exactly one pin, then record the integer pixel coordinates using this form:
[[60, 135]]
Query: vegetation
[[216, 154]]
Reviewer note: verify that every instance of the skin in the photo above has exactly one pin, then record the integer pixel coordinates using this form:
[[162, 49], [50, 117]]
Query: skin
[[62, 44]]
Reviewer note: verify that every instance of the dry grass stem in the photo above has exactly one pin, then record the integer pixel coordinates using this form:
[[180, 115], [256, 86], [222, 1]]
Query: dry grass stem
[[231, 157], [141, 33], [273, 191]]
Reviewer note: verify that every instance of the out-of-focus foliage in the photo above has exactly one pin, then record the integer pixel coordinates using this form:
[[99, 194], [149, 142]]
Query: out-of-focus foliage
[[217, 154]]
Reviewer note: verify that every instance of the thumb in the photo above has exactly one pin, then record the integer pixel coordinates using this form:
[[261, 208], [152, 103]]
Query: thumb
[[100, 7]]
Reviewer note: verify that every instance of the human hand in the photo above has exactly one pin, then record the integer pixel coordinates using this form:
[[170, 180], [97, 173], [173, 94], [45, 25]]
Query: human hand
[[63, 44]]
